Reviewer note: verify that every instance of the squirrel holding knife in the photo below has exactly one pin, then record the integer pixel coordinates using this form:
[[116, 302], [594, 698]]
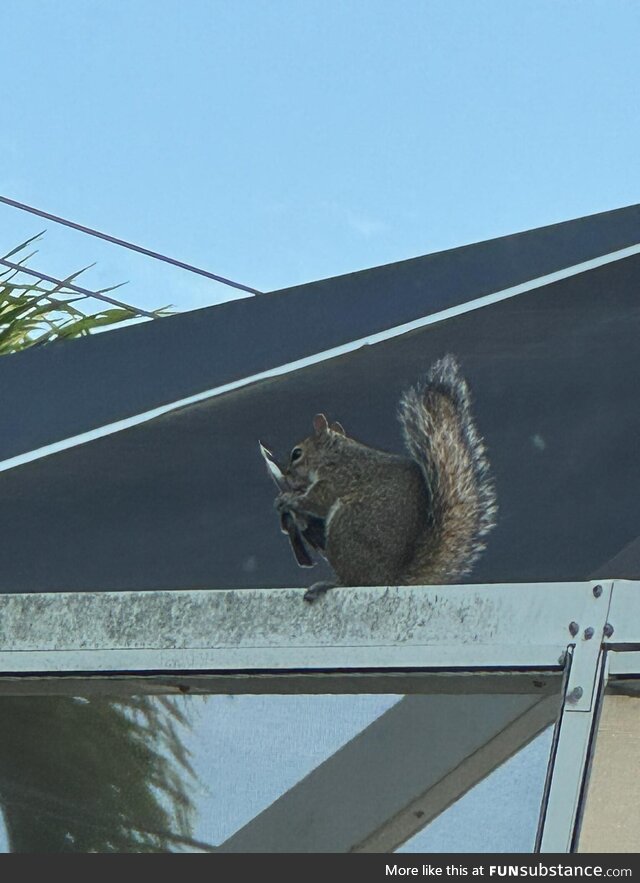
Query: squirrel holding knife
[[384, 519]]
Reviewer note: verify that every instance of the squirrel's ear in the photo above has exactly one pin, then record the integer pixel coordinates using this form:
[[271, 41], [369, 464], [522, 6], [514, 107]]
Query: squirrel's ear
[[338, 427], [320, 424]]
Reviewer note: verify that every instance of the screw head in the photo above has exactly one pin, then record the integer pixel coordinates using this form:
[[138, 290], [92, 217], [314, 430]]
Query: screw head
[[608, 630], [597, 591], [574, 628], [589, 633], [575, 695]]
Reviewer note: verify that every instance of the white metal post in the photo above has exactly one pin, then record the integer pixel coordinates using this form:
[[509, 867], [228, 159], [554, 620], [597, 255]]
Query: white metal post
[[575, 729]]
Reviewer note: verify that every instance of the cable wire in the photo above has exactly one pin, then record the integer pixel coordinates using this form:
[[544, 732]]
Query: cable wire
[[130, 245], [84, 291]]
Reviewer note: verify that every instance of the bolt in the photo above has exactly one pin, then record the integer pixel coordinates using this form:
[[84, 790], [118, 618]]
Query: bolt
[[608, 630], [597, 591], [589, 633], [575, 695], [562, 658], [574, 628]]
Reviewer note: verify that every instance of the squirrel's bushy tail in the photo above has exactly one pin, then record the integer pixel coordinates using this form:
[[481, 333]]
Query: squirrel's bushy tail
[[441, 436]]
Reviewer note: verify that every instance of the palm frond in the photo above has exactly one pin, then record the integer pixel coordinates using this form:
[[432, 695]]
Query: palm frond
[[36, 313]]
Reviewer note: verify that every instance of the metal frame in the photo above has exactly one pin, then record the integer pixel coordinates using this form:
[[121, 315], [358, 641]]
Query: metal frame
[[549, 641]]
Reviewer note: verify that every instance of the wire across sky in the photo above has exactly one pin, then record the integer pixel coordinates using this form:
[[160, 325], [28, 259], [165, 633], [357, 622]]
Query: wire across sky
[[125, 244]]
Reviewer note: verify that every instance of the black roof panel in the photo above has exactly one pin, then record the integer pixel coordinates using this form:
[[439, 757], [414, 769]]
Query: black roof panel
[[184, 501]]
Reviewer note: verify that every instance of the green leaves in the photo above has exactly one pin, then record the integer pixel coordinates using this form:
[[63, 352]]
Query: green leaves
[[35, 313]]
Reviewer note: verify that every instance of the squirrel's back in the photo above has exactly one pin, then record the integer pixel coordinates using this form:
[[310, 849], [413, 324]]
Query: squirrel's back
[[441, 437]]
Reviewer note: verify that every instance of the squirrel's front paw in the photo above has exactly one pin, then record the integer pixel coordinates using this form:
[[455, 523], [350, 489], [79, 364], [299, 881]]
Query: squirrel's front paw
[[318, 589], [286, 502]]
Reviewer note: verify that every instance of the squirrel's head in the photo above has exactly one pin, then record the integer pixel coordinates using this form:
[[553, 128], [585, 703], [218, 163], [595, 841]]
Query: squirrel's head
[[313, 452]]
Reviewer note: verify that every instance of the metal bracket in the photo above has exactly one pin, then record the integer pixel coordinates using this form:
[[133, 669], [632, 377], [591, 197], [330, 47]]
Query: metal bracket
[[589, 633], [574, 731]]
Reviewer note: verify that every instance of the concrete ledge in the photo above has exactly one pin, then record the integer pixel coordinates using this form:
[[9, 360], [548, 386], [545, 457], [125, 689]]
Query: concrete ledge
[[405, 627]]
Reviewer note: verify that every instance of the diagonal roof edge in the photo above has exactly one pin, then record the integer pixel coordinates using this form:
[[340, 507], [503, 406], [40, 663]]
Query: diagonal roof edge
[[547, 230], [321, 356]]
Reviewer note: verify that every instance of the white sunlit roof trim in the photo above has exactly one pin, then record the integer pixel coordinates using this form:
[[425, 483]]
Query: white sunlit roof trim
[[317, 358]]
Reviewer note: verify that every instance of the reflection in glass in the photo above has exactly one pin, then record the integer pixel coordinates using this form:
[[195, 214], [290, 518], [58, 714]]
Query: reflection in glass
[[94, 776], [248, 750], [156, 774], [141, 774], [499, 815]]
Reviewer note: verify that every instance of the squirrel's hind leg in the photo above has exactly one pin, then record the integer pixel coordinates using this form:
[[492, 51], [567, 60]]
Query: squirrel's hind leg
[[318, 589]]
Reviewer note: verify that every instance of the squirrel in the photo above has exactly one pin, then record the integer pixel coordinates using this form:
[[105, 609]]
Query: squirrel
[[383, 519]]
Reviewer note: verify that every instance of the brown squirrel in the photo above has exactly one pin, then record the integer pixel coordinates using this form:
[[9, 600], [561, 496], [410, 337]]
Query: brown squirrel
[[383, 519]]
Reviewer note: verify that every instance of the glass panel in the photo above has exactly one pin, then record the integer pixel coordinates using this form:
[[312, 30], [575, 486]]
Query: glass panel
[[196, 772], [500, 814], [248, 750], [611, 821]]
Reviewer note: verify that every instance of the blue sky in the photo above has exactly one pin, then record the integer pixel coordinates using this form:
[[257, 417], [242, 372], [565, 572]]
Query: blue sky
[[280, 142]]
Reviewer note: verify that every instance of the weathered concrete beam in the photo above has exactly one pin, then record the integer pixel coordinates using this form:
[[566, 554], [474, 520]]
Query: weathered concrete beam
[[402, 627]]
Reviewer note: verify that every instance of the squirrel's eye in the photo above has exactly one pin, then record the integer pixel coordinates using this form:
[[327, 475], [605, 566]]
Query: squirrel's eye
[[296, 453]]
